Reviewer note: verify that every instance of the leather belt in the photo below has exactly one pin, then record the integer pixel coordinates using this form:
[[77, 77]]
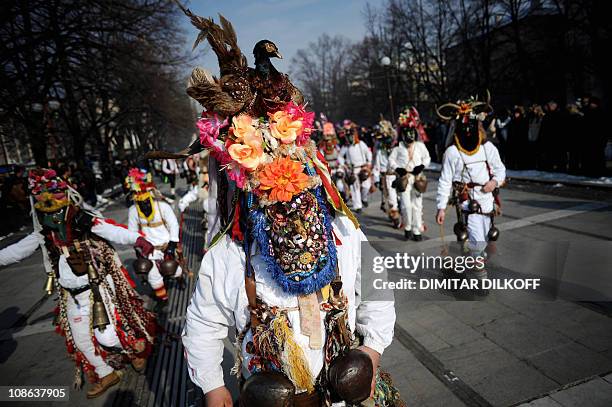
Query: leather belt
[[76, 291], [153, 224]]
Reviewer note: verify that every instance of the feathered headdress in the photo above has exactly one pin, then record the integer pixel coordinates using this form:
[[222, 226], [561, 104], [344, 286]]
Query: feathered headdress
[[139, 181], [50, 192], [470, 108]]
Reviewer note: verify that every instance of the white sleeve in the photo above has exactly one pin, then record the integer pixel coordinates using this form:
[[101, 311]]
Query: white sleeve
[[392, 160], [133, 219], [375, 320], [425, 154], [21, 249], [165, 166], [368, 153], [114, 232], [341, 160], [376, 166], [171, 221], [187, 199], [497, 166], [210, 314], [445, 183], [344, 154]]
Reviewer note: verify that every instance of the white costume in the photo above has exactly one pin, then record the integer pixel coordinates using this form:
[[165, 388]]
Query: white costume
[[411, 200], [458, 166], [161, 230], [79, 307], [21, 249], [381, 169], [220, 301], [356, 156]]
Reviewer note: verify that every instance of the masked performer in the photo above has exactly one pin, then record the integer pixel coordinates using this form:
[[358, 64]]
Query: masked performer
[[383, 175], [100, 315], [331, 152], [408, 160], [285, 268], [472, 172], [156, 219], [358, 159]]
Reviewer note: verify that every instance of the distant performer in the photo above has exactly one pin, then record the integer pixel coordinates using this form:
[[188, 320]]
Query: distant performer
[[408, 160], [472, 173], [358, 159], [100, 314], [383, 174], [154, 217]]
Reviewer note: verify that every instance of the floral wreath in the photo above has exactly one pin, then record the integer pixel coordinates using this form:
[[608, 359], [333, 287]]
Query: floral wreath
[[49, 190]]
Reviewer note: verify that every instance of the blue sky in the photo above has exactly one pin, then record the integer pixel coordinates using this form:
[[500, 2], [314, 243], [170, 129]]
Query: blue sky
[[290, 24]]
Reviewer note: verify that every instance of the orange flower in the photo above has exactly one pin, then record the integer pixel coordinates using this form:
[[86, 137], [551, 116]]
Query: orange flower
[[284, 128], [242, 127], [283, 178], [248, 155]]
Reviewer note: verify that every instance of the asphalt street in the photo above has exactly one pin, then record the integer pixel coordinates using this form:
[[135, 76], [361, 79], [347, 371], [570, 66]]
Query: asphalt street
[[450, 349]]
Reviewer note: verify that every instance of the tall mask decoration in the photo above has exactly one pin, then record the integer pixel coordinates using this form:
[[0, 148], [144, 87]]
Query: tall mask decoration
[[51, 201], [140, 182], [467, 117], [410, 126]]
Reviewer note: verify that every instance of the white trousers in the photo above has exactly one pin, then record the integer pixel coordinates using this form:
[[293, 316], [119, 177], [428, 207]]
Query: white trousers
[[411, 202], [79, 317], [360, 190], [391, 192], [478, 229], [154, 277]]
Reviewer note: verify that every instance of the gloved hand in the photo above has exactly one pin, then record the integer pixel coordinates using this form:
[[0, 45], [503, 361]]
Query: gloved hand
[[77, 263], [143, 247], [401, 172], [170, 250], [418, 169]]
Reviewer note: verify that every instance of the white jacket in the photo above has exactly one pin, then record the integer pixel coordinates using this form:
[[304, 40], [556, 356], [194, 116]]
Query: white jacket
[[21, 249], [356, 155], [158, 235], [220, 302], [400, 156], [457, 166]]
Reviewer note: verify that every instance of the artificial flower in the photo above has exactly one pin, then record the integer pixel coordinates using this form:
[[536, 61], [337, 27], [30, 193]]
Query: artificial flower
[[242, 128], [210, 125], [284, 128], [283, 178], [248, 155], [299, 113]]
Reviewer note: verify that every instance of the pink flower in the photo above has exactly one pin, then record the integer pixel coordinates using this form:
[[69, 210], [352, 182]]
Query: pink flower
[[299, 113], [210, 125]]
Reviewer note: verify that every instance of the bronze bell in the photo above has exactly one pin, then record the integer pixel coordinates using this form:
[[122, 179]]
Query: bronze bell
[[142, 265], [168, 267], [267, 389], [460, 231], [473, 206], [350, 376], [92, 273], [493, 234], [100, 317], [49, 284]]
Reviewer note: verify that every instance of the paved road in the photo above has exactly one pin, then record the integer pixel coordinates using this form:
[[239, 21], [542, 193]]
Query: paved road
[[502, 350]]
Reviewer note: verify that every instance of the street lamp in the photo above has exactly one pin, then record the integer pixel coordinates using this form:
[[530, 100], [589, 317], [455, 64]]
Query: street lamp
[[386, 62]]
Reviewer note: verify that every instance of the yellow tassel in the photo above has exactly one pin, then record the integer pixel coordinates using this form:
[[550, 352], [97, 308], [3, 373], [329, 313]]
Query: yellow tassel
[[296, 367]]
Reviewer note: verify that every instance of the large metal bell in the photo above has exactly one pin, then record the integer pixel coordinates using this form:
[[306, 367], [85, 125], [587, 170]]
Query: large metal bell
[[460, 231], [142, 265], [267, 389], [100, 317], [168, 267], [473, 206], [493, 234], [350, 376]]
